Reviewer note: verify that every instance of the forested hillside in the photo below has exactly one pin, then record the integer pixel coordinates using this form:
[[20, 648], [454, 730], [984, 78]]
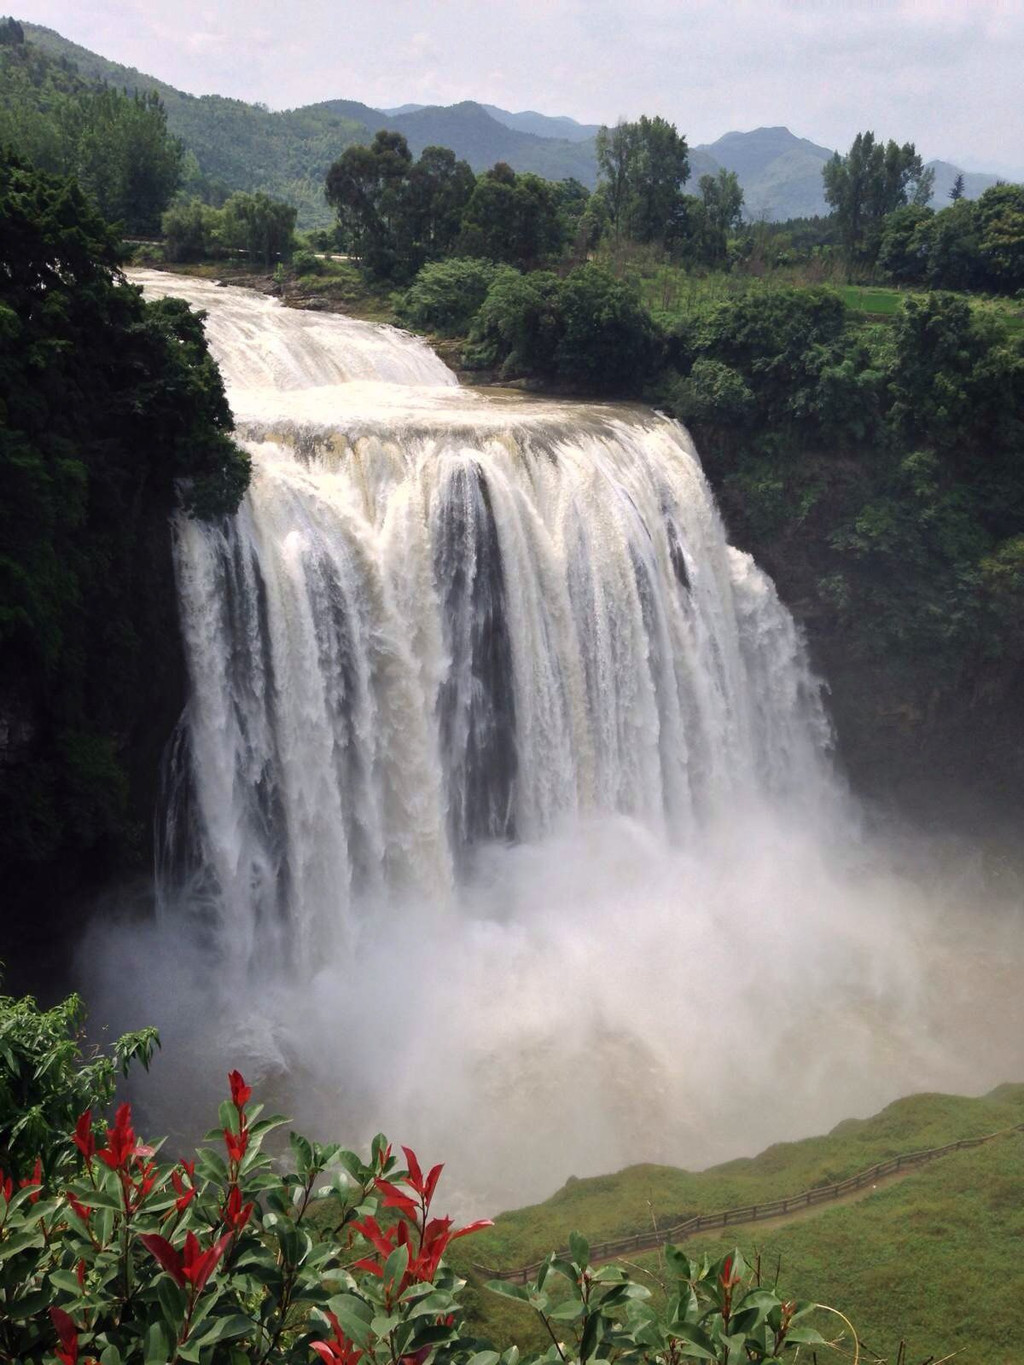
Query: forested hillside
[[240, 146]]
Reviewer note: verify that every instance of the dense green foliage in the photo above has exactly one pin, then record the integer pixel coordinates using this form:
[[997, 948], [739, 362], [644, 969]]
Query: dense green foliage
[[447, 295], [105, 1249], [514, 219], [48, 1076], [393, 213], [867, 184], [396, 214], [251, 225], [110, 409], [588, 330], [116, 145], [644, 166], [892, 457], [970, 245]]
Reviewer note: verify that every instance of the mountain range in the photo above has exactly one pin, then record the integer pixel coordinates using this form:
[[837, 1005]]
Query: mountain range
[[244, 146]]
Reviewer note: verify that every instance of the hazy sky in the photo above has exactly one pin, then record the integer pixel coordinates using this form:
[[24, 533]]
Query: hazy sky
[[945, 74]]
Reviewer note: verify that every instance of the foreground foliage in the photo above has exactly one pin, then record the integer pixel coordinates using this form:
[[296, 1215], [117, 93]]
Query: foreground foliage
[[108, 1254], [111, 414]]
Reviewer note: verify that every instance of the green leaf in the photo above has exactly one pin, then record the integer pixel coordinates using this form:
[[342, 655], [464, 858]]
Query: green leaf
[[567, 1312], [678, 1263], [698, 1343], [29, 1305], [173, 1302], [111, 1356], [805, 1336], [227, 1328], [593, 1332], [509, 1290], [157, 1344], [579, 1249], [396, 1265], [21, 1241]]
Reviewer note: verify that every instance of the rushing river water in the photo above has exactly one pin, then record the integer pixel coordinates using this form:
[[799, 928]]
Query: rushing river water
[[502, 813]]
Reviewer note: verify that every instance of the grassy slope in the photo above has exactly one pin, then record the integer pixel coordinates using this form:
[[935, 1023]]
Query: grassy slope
[[933, 1259], [930, 1257]]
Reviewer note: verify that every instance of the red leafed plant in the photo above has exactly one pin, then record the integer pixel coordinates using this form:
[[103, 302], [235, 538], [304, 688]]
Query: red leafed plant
[[110, 1256]]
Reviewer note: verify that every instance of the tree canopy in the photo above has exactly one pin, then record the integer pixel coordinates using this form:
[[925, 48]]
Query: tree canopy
[[871, 181], [644, 166], [393, 213], [115, 144], [111, 409]]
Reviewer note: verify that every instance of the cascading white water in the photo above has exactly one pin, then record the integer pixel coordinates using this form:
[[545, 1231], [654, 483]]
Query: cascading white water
[[504, 777], [458, 622]]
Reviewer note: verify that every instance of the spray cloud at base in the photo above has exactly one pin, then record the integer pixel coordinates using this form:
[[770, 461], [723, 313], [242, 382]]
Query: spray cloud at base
[[502, 816]]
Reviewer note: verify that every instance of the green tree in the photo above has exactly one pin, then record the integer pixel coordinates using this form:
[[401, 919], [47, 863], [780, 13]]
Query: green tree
[[445, 295], [519, 325], [262, 227], [189, 229], [906, 243], [366, 187], [429, 217], [956, 190], [716, 212], [512, 218], [955, 259], [111, 411], [644, 166], [125, 157], [871, 181], [609, 341], [1000, 217]]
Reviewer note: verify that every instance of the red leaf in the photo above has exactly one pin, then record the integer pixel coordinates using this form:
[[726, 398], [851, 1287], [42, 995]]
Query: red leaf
[[65, 1327], [374, 1267], [472, 1227], [432, 1180], [166, 1255], [84, 1139], [415, 1174], [395, 1199], [240, 1092]]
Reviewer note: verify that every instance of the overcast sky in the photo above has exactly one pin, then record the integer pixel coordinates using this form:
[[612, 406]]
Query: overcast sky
[[945, 74]]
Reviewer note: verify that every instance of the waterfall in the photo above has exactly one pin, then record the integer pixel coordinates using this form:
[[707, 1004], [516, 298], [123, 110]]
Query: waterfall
[[501, 814], [438, 621]]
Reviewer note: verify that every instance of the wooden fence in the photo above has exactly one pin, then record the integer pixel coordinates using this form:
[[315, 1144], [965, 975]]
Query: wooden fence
[[753, 1213]]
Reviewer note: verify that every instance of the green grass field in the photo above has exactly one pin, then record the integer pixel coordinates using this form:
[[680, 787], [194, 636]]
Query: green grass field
[[671, 291], [933, 1258]]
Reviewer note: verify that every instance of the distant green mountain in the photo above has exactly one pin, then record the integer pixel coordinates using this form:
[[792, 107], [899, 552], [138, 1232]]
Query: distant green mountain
[[780, 173], [544, 125], [241, 146], [975, 183], [477, 137]]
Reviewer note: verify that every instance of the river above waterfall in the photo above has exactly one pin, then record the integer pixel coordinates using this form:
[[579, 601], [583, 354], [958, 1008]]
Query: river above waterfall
[[502, 814]]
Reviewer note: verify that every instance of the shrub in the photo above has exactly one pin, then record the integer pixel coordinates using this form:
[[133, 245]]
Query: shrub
[[189, 229], [306, 262], [445, 295], [518, 326], [121, 1259], [609, 340]]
